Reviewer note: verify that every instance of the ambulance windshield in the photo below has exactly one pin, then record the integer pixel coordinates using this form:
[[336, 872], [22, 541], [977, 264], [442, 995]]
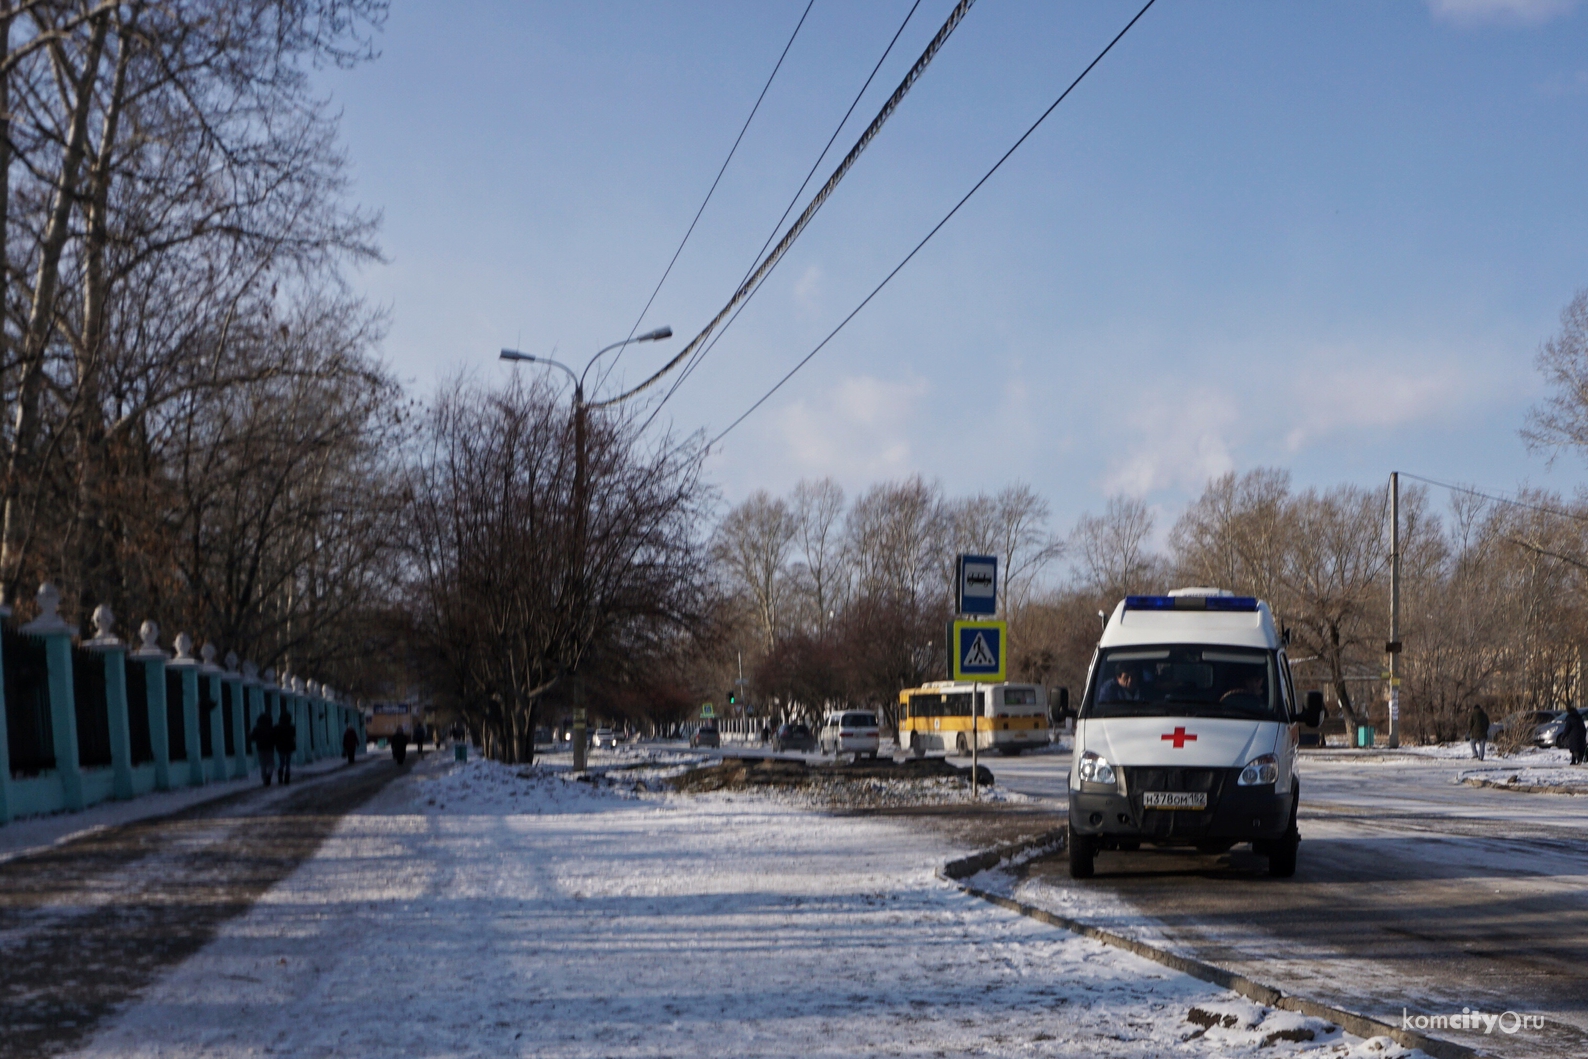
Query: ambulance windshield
[[1185, 680]]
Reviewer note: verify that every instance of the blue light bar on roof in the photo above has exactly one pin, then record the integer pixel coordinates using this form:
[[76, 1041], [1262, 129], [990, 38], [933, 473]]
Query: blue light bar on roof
[[1225, 603]]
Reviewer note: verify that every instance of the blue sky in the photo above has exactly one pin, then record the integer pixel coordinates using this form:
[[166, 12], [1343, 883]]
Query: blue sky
[[1328, 237]]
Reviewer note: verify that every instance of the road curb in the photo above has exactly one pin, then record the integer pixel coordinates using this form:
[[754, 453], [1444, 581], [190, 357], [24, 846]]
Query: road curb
[[955, 871], [1523, 788]]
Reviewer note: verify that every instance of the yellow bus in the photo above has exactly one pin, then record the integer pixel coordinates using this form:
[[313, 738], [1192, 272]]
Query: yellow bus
[[937, 716]]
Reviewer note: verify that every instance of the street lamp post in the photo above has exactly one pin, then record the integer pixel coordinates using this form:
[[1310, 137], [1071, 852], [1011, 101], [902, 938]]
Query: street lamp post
[[581, 505]]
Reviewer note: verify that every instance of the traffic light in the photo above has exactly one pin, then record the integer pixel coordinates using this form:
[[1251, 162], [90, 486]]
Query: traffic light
[[733, 697]]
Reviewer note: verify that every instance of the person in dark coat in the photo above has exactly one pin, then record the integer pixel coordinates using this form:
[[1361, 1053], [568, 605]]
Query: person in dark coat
[[420, 732], [350, 743], [264, 737], [286, 745], [1574, 735], [399, 745], [1478, 730]]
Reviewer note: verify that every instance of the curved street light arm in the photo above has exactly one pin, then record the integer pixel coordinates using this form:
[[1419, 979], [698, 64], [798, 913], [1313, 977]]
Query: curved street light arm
[[578, 380], [649, 336], [530, 358]]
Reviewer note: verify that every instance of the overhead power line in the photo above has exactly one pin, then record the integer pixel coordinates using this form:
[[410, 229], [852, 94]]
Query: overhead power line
[[954, 18], [937, 227], [705, 350], [1498, 499], [712, 190]]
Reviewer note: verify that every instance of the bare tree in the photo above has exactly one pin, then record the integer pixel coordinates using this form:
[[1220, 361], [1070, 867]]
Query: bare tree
[[172, 168], [818, 513], [506, 613], [1561, 422], [752, 547], [1236, 534], [1334, 577], [1012, 525], [1113, 549]]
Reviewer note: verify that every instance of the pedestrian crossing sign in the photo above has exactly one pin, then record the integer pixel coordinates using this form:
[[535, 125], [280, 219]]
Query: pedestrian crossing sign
[[979, 650]]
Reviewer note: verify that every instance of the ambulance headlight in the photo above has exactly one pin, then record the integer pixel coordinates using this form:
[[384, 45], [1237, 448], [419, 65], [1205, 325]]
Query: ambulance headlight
[[1093, 769], [1258, 771]]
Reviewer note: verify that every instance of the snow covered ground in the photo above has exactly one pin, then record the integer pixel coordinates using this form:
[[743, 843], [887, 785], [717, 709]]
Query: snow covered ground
[[471, 910]]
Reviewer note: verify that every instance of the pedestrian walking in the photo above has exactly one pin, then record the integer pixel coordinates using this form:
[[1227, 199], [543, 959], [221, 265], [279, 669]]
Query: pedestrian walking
[[399, 745], [420, 731], [350, 743], [1574, 735], [286, 740], [264, 737], [1478, 730]]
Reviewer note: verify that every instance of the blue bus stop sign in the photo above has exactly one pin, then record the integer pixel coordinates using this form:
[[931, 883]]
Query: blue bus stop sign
[[976, 584]]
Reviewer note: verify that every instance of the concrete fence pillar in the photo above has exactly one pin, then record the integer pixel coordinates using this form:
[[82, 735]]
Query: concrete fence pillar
[[316, 718], [233, 702], [57, 638], [287, 706], [253, 705], [300, 719], [270, 692], [322, 719], [214, 715], [312, 713], [188, 667], [153, 661], [329, 738], [5, 737], [114, 656]]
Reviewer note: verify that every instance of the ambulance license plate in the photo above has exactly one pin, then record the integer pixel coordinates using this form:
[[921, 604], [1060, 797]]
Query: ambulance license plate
[[1174, 800]]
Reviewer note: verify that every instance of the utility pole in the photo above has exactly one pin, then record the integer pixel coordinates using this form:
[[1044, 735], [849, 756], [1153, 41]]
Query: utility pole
[[1394, 645], [581, 511], [581, 517], [975, 740]]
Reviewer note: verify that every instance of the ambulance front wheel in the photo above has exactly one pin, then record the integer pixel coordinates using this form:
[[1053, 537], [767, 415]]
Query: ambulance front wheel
[[1083, 855], [1282, 854]]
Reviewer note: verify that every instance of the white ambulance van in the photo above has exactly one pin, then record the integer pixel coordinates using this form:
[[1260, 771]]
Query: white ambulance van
[[1187, 734]]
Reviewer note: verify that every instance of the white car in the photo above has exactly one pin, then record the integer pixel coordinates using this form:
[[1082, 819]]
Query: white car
[[849, 732], [1188, 732], [604, 737]]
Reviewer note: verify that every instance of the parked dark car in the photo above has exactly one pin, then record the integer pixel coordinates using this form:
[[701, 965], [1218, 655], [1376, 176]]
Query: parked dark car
[[793, 737], [706, 736]]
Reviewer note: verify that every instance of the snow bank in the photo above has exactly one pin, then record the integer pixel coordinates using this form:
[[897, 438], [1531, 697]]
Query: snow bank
[[478, 910], [1570, 778], [1462, 751]]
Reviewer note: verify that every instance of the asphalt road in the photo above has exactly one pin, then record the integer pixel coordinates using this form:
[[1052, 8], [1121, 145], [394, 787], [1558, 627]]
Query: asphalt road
[[1413, 895], [87, 923]]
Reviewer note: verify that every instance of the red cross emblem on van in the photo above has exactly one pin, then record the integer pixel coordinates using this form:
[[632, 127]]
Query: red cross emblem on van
[[1179, 737]]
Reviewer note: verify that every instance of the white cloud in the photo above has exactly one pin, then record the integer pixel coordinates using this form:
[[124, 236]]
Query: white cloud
[[1363, 397], [808, 290], [858, 431], [1178, 439], [1510, 12]]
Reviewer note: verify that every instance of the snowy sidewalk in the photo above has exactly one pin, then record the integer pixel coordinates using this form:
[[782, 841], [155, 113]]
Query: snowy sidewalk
[[468, 911]]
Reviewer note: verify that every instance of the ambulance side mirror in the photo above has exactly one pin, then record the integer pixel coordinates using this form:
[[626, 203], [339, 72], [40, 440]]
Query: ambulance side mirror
[[1312, 716], [1059, 708]]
